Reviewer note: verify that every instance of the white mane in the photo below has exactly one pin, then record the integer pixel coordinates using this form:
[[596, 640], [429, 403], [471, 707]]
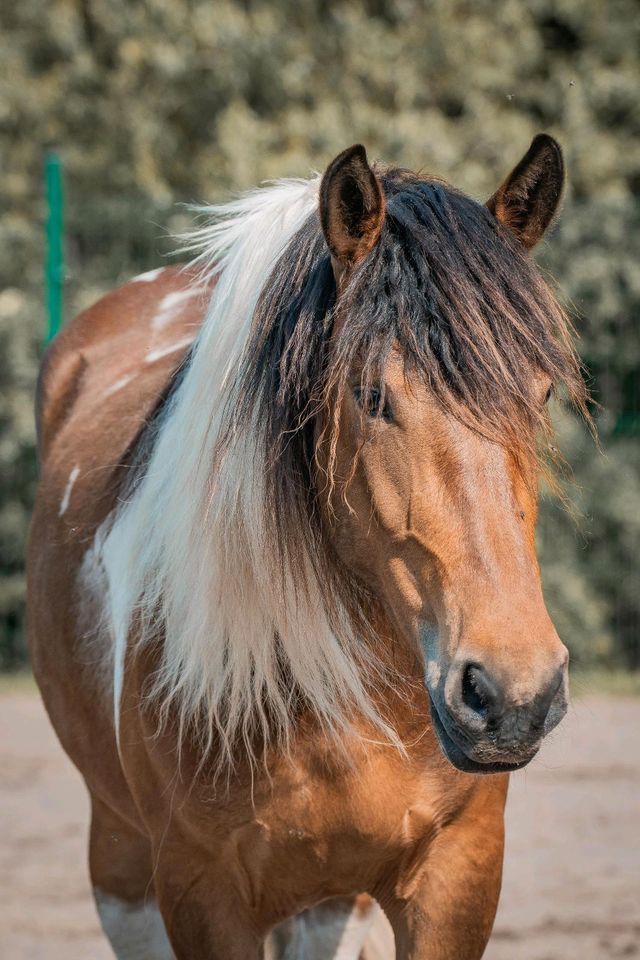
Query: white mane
[[189, 549]]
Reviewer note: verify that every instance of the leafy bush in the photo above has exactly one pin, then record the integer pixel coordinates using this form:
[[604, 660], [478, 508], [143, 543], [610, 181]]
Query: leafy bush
[[167, 100]]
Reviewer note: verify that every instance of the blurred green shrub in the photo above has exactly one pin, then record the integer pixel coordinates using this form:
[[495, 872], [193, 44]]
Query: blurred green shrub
[[165, 100]]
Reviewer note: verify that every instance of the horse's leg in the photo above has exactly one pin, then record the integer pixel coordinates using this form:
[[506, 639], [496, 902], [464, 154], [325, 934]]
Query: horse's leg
[[205, 916], [121, 873], [342, 929], [444, 907]]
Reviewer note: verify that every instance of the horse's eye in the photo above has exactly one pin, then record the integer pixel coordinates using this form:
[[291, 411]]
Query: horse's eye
[[371, 402], [548, 394]]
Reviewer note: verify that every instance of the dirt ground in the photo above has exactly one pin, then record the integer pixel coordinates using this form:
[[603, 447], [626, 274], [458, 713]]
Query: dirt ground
[[572, 876]]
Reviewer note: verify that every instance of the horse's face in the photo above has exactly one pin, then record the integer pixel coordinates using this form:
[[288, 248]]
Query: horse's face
[[439, 523]]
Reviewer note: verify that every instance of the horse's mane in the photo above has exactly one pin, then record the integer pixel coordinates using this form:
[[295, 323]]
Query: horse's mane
[[220, 549]]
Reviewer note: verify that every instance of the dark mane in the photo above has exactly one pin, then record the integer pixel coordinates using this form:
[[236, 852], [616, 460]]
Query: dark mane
[[450, 287]]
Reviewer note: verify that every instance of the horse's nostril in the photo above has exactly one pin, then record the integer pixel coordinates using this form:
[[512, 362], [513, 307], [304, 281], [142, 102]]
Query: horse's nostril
[[480, 693], [471, 696]]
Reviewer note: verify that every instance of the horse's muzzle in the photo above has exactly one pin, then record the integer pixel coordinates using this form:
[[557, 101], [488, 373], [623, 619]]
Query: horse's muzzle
[[481, 730]]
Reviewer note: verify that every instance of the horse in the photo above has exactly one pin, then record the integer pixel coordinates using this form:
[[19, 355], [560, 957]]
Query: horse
[[284, 604]]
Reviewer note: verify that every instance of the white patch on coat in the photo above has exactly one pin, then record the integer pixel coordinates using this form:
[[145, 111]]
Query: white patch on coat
[[66, 496], [160, 352], [333, 931], [135, 931], [170, 306], [433, 674], [355, 932], [149, 276], [430, 644], [380, 943], [118, 384], [93, 616], [106, 635]]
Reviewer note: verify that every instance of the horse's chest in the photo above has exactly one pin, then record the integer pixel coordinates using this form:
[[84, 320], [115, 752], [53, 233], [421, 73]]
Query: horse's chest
[[316, 838]]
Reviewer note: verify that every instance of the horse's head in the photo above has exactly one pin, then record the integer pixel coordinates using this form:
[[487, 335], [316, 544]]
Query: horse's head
[[446, 344]]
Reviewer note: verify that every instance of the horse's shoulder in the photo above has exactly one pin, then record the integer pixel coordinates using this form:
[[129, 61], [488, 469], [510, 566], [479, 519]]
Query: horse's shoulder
[[142, 326]]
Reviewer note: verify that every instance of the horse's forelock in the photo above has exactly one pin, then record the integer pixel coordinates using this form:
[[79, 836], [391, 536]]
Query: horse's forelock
[[449, 289]]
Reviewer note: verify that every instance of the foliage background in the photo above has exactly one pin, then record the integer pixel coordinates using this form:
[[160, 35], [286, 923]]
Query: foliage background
[[159, 101]]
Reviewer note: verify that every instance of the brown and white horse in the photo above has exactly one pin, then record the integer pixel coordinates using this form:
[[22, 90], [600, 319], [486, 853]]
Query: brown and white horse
[[284, 600]]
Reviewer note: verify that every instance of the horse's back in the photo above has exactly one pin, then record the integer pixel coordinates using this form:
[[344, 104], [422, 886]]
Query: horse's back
[[137, 332]]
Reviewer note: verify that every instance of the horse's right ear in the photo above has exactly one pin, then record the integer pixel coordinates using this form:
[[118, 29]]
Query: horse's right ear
[[351, 209]]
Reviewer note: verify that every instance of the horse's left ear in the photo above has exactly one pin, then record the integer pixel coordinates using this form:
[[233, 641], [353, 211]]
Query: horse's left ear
[[351, 209], [529, 197]]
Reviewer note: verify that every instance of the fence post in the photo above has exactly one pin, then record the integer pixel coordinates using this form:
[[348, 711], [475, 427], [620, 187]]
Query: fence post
[[54, 262]]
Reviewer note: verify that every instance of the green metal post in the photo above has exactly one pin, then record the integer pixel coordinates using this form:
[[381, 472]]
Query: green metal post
[[54, 266]]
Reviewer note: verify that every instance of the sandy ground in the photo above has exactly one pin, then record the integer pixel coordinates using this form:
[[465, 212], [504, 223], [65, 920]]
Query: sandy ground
[[572, 876]]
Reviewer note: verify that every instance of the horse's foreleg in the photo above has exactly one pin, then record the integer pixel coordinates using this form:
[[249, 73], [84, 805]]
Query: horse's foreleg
[[121, 873], [444, 907], [205, 916]]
